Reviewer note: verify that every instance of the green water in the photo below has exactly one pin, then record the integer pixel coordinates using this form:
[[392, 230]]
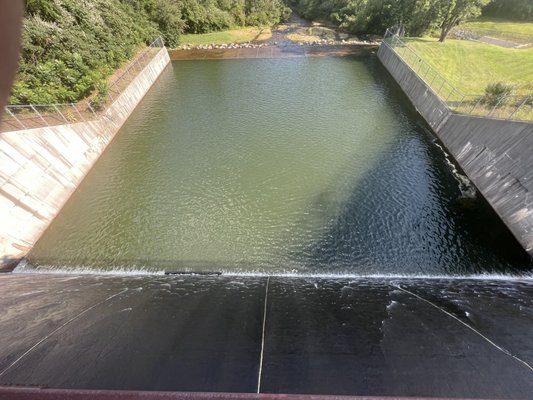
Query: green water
[[287, 165]]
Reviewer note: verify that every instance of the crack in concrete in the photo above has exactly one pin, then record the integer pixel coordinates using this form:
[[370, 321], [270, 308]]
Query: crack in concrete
[[503, 350], [58, 329]]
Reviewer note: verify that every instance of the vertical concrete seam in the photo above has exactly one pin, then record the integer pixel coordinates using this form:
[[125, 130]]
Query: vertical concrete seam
[[263, 338]]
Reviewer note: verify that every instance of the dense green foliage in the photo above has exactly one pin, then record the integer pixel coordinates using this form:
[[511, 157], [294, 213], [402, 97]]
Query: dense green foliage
[[70, 47], [453, 12], [369, 16], [202, 16], [514, 9], [414, 17]]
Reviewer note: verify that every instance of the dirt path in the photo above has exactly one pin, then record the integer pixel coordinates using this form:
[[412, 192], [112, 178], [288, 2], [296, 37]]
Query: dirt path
[[467, 34], [281, 31], [299, 30]]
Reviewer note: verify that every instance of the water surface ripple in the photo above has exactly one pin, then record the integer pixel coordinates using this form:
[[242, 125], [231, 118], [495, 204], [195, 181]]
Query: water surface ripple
[[309, 165]]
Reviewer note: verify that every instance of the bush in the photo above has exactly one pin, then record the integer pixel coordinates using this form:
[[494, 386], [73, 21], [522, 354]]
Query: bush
[[497, 94], [69, 46], [98, 101]]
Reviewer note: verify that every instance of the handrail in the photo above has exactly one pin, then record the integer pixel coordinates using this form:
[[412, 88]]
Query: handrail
[[26, 116], [514, 107]]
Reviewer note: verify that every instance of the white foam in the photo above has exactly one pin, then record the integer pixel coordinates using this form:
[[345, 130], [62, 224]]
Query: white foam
[[25, 268], [85, 270], [466, 187], [124, 271]]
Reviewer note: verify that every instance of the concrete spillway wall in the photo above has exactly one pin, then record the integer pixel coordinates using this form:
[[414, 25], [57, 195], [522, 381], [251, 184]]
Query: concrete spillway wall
[[497, 155], [40, 168]]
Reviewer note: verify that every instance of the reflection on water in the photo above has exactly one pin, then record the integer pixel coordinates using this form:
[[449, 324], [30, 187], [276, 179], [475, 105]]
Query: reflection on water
[[302, 165]]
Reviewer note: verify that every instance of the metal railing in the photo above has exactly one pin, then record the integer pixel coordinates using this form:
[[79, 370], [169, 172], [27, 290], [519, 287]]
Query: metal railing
[[19, 117], [506, 107], [135, 67]]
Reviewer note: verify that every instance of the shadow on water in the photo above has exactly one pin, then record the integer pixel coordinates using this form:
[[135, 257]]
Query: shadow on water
[[437, 231], [408, 215]]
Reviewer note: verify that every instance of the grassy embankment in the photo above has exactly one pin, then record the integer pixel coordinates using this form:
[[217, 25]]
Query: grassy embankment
[[241, 35], [518, 32], [470, 66]]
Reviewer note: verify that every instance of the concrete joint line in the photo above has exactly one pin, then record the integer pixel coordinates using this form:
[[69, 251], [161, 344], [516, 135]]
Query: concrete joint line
[[58, 329], [503, 350], [263, 338]]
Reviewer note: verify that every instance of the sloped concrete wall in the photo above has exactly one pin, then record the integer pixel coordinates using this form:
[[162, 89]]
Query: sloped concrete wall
[[40, 168], [497, 155], [427, 103]]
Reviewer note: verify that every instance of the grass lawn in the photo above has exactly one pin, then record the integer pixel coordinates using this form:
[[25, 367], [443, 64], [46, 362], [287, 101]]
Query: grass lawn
[[471, 66], [518, 32], [241, 35]]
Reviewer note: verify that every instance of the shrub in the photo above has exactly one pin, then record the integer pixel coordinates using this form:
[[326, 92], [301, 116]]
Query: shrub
[[497, 94], [98, 101], [68, 46]]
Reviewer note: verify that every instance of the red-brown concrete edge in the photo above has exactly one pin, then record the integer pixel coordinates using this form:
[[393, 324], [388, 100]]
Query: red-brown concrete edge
[[8, 264], [31, 393]]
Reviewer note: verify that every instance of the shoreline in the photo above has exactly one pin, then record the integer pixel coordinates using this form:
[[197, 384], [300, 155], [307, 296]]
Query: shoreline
[[273, 51]]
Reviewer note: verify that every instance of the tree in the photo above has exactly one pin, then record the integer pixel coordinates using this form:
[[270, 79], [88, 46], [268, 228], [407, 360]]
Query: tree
[[452, 12], [413, 17], [521, 10]]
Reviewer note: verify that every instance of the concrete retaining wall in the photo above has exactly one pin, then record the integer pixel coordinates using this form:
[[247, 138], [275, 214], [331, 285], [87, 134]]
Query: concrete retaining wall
[[497, 155], [40, 168], [428, 104]]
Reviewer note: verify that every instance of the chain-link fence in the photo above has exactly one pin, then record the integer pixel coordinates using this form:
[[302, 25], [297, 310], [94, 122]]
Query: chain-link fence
[[503, 106], [18, 117]]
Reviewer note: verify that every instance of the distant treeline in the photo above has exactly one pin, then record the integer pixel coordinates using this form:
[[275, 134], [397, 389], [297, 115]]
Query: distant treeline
[[415, 17], [521, 10], [201, 16], [70, 47]]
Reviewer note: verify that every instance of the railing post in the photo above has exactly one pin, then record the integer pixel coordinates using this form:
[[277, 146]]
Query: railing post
[[519, 107], [91, 108], [78, 111], [496, 106], [475, 106], [420, 66], [60, 113], [143, 56], [441, 86], [433, 80], [461, 102], [451, 92], [15, 118], [39, 114]]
